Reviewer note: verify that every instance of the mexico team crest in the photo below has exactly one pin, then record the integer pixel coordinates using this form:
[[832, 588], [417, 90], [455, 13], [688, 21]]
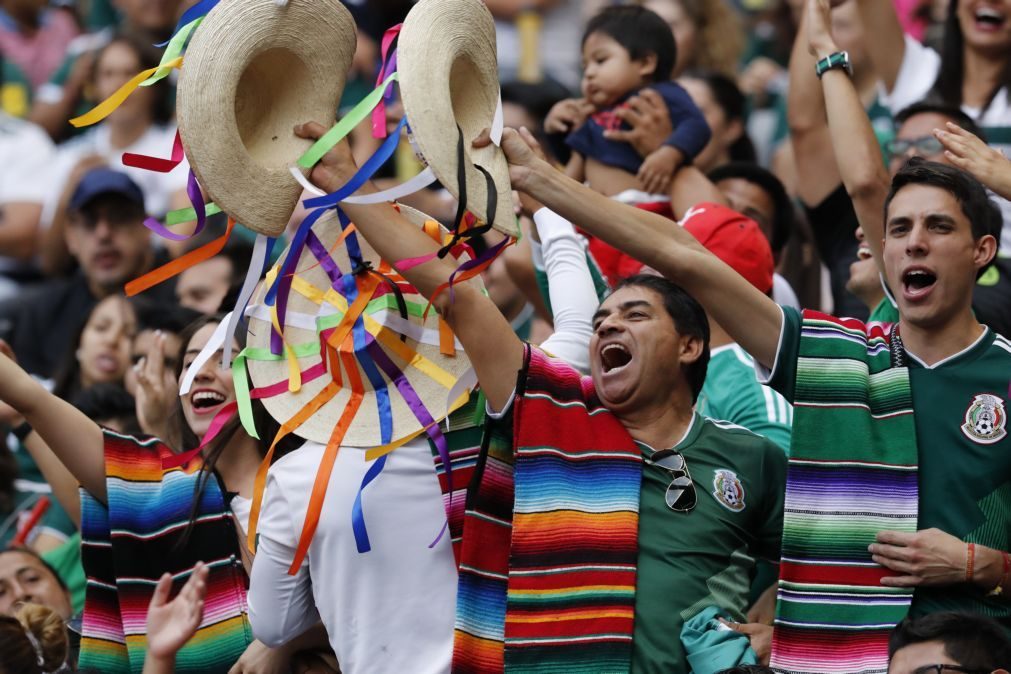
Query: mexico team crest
[[985, 420], [728, 490]]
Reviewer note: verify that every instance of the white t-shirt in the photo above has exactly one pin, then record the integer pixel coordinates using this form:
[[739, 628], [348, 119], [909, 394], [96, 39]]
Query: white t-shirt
[[387, 610], [917, 74], [26, 153], [158, 188]]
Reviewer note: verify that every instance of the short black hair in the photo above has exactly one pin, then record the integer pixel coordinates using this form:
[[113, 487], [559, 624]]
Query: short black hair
[[689, 318], [783, 215], [641, 32], [106, 402], [734, 104], [983, 214], [928, 107], [972, 640], [165, 316]]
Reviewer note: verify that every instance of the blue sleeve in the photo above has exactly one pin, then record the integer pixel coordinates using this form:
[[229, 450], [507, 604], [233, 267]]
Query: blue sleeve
[[581, 140], [691, 133]]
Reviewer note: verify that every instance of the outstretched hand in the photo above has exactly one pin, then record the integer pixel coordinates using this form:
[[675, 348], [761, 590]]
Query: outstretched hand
[[170, 624], [969, 153]]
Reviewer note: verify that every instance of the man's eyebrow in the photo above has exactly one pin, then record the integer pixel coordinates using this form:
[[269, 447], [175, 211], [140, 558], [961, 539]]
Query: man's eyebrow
[[944, 218]]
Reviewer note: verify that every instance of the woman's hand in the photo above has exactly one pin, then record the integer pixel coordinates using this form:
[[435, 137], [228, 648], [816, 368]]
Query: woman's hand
[[156, 389], [970, 153], [170, 624]]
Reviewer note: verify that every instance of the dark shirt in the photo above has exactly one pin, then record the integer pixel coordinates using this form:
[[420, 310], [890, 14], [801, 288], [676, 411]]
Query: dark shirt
[[834, 224], [43, 321], [690, 135]]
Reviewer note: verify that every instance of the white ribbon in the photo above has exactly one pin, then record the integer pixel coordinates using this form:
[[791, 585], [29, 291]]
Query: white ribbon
[[248, 286], [206, 353]]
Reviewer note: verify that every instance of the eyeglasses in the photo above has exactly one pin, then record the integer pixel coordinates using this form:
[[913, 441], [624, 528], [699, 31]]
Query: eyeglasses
[[925, 145], [941, 669], [680, 495]]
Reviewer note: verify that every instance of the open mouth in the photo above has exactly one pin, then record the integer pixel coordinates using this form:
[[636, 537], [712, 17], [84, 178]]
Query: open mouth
[[206, 400], [614, 357], [918, 282], [864, 253], [988, 18]]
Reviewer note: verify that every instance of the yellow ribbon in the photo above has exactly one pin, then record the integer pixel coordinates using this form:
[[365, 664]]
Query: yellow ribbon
[[105, 108]]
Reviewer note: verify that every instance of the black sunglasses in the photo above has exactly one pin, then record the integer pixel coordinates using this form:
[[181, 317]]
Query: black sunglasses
[[941, 669], [680, 495]]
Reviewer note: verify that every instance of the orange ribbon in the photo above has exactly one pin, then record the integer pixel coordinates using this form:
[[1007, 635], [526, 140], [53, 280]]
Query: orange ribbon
[[180, 264]]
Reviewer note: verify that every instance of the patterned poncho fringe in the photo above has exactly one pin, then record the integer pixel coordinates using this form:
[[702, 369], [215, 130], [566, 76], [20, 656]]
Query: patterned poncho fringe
[[129, 544], [548, 569], [852, 473]]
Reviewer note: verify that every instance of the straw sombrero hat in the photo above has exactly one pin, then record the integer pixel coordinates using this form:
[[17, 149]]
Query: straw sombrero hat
[[449, 78], [434, 381], [253, 70]]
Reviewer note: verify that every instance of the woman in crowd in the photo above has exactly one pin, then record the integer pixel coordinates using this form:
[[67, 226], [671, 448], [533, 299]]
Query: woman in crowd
[[708, 34], [33, 641], [723, 106], [101, 352], [176, 514]]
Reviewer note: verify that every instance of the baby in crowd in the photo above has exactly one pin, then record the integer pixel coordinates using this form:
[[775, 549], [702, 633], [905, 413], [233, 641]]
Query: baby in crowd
[[627, 49]]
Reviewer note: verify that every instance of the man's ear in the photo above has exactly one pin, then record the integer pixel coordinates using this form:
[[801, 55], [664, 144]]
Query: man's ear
[[986, 249], [647, 65], [691, 349]]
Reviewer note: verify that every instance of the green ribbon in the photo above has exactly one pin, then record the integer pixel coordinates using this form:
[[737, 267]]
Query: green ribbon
[[172, 51]]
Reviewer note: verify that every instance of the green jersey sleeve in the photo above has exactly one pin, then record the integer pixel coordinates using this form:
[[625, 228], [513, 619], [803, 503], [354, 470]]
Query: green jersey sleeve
[[768, 542], [784, 371]]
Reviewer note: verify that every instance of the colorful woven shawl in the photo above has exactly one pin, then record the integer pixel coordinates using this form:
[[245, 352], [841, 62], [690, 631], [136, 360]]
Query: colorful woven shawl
[[547, 577], [127, 546], [852, 473]]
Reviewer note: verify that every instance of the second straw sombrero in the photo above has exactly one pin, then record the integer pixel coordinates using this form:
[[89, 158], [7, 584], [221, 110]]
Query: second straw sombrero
[[449, 79], [433, 376], [253, 70]]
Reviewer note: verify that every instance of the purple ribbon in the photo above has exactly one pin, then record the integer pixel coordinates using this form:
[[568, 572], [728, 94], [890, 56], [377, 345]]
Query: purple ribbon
[[197, 199]]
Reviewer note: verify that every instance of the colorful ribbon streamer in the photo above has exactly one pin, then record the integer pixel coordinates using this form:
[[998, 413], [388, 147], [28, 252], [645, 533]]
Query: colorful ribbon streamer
[[195, 12], [221, 418], [103, 109], [143, 161], [379, 112], [180, 264]]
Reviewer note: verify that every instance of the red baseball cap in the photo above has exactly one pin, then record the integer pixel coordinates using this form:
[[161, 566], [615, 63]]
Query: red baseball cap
[[735, 239]]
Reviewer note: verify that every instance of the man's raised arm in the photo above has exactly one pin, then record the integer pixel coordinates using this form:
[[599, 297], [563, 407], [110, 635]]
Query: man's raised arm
[[495, 351], [750, 317]]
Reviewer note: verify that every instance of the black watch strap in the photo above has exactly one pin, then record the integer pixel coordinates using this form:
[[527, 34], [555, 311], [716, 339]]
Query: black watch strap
[[839, 59], [21, 431]]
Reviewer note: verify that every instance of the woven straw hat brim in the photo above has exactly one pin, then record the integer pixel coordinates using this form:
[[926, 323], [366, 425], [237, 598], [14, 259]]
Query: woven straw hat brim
[[448, 77], [252, 71], [365, 430]]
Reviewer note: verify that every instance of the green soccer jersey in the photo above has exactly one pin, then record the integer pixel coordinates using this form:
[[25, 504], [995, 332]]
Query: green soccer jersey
[[960, 412], [706, 557], [732, 393]]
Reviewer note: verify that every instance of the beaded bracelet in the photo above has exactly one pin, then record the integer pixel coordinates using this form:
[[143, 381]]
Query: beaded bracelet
[[970, 559]]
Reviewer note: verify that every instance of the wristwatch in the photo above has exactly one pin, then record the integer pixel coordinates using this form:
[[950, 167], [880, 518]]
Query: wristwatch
[[840, 59]]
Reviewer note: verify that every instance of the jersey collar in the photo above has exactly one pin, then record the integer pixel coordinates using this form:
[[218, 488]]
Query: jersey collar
[[970, 352]]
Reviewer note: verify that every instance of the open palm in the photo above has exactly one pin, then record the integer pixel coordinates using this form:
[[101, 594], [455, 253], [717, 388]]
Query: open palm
[[170, 624]]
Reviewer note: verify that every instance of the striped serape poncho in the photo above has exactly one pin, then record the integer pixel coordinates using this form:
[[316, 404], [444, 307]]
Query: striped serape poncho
[[127, 546], [548, 568], [852, 473]]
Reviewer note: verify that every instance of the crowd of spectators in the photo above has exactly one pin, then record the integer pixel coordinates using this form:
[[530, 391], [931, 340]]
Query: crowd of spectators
[[708, 112]]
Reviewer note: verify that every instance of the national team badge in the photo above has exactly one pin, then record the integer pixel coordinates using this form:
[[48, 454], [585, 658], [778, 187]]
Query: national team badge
[[728, 490], [985, 420]]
